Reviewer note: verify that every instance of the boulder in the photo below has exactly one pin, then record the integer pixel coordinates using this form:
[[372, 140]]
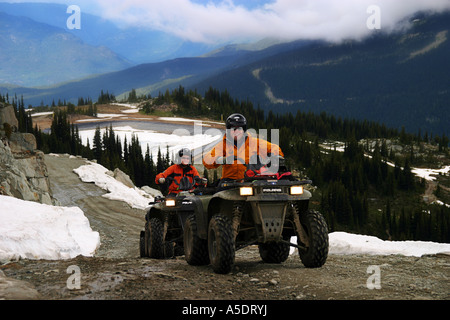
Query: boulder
[[12, 289], [7, 115], [152, 192], [22, 142], [23, 172], [121, 176]]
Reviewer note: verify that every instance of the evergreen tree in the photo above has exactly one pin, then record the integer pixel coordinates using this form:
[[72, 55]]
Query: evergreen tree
[[97, 145]]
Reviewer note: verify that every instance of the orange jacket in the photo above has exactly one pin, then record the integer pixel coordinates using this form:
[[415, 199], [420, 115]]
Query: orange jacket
[[177, 172], [243, 151]]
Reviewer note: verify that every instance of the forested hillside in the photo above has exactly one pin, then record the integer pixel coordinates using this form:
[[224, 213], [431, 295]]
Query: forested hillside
[[367, 187], [397, 79]]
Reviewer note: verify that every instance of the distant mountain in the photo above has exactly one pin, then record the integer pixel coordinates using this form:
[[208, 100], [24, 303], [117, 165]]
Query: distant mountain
[[37, 54], [134, 44], [151, 78], [398, 79], [147, 78]]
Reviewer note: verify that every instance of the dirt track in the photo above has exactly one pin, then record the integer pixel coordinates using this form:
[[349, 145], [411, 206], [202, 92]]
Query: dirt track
[[117, 272]]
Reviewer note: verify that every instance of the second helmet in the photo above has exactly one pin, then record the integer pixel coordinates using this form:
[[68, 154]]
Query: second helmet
[[236, 120]]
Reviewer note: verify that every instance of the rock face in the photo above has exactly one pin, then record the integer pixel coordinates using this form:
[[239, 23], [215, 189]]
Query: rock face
[[119, 175], [7, 116], [23, 172]]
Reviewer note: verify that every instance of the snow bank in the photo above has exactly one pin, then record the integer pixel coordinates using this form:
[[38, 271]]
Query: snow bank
[[429, 174], [37, 231], [342, 243], [96, 173]]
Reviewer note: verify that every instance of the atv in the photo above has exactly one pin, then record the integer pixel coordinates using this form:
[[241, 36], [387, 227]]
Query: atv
[[208, 225]]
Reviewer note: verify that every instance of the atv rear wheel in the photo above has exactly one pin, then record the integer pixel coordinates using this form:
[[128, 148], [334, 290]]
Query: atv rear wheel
[[195, 248], [154, 239], [316, 252], [221, 244]]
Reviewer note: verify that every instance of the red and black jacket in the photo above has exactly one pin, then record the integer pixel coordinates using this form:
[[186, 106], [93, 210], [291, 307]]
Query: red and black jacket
[[177, 172]]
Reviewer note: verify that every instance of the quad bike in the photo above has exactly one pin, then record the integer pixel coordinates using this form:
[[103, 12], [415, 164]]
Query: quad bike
[[210, 225]]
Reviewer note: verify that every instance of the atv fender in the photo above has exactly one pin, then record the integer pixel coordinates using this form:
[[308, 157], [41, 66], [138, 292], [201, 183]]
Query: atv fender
[[155, 212], [200, 217]]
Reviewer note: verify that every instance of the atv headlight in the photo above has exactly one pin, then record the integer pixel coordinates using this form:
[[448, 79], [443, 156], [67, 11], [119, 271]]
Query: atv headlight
[[246, 191], [170, 203], [296, 190]]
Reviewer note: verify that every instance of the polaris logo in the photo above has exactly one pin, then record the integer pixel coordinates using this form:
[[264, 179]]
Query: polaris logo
[[186, 202], [272, 190]]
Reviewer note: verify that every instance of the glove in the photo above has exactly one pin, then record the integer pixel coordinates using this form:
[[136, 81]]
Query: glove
[[161, 180]]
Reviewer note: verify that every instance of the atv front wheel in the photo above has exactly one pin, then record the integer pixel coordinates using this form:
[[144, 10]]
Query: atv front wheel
[[221, 245], [195, 248], [154, 239], [316, 251]]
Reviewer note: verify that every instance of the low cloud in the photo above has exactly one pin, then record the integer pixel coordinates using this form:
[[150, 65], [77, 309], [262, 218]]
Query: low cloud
[[218, 21], [332, 20]]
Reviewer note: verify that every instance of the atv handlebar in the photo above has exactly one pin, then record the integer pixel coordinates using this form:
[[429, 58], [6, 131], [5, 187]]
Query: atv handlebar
[[266, 182]]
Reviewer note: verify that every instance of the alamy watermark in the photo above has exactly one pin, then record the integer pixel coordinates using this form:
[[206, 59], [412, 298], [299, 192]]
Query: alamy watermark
[[74, 280], [248, 151], [74, 20], [373, 22], [374, 280]]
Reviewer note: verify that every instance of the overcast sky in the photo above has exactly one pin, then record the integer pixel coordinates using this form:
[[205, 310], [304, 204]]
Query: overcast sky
[[215, 21]]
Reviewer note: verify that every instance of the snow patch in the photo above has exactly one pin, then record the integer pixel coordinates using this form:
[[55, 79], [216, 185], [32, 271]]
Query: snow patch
[[30, 230]]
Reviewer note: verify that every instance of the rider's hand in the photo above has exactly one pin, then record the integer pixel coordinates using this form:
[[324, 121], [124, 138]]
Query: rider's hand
[[161, 180]]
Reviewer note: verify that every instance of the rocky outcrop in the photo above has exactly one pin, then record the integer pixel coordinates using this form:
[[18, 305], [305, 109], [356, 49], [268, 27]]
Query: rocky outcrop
[[23, 172], [120, 176], [7, 116]]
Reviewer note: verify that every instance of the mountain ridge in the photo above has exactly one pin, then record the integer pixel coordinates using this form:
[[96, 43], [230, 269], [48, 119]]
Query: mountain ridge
[[137, 45], [38, 53], [399, 79]]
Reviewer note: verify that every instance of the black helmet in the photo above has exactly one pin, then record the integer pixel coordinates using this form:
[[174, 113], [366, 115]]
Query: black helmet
[[236, 120], [183, 152]]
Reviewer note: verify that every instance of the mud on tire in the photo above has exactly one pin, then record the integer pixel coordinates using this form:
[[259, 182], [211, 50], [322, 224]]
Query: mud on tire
[[221, 244], [142, 252], [154, 246], [316, 228], [195, 248]]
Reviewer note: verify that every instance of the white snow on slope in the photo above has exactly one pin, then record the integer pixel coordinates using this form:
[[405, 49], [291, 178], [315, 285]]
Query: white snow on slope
[[32, 230], [96, 173]]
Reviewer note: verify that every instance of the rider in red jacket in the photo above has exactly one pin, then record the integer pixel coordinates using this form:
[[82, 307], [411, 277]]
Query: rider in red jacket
[[182, 168]]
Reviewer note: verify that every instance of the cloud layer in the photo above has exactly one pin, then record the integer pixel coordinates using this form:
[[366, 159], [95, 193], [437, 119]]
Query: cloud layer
[[218, 21], [290, 19]]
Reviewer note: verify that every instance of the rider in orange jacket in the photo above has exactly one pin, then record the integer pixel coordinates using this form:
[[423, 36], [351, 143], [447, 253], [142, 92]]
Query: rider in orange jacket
[[237, 148]]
